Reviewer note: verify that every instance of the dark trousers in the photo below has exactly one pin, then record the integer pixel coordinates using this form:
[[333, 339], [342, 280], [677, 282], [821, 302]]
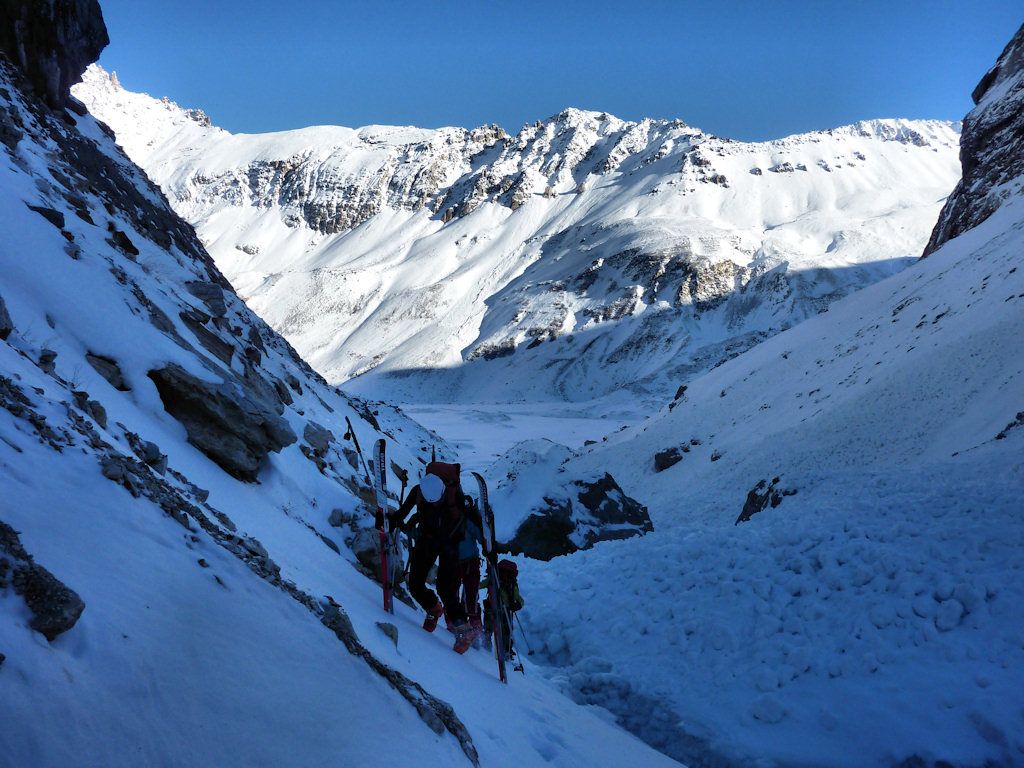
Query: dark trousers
[[467, 576], [421, 559]]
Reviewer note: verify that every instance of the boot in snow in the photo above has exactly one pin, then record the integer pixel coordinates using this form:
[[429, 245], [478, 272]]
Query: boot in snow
[[477, 628], [430, 623], [450, 625], [463, 638]]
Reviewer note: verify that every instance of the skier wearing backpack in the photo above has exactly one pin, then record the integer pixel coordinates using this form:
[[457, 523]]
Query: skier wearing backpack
[[467, 571], [440, 527]]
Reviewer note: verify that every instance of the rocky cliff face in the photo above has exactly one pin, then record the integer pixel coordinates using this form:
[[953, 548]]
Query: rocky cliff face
[[991, 152], [52, 42]]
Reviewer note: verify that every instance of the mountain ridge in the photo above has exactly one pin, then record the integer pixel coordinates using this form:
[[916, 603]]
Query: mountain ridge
[[436, 249]]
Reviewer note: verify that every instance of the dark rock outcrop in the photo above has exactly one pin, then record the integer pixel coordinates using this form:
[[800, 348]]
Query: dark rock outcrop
[[209, 339], [52, 42], [594, 511], [991, 152], [92, 407], [760, 497], [224, 421], [667, 458], [211, 294], [55, 606], [6, 324], [109, 370], [318, 437]]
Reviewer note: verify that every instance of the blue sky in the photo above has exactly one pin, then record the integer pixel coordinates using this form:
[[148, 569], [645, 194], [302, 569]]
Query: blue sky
[[745, 70]]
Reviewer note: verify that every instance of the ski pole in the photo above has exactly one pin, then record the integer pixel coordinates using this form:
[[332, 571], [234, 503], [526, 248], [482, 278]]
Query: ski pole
[[512, 655], [352, 434], [529, 650]]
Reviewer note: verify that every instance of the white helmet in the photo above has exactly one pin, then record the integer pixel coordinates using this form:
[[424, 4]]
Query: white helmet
[[432, 488]]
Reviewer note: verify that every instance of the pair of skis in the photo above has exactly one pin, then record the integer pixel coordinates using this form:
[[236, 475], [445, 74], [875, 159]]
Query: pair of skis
[[493, 588], [391, 566]]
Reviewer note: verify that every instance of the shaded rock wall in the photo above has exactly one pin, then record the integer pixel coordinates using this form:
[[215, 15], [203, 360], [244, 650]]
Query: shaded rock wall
[[991, 151], [52, 42]]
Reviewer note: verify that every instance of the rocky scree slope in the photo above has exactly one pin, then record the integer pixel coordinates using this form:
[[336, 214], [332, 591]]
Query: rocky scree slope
[[594, 252]]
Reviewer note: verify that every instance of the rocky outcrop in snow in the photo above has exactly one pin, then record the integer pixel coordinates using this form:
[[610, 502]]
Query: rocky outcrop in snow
[[55, 607], [229, 425], [52, 41], [6, 324], [589, 511], [990, 148]]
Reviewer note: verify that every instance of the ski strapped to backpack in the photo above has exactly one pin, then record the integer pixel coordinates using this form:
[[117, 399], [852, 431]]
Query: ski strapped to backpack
[[391, 566], [493, 590]]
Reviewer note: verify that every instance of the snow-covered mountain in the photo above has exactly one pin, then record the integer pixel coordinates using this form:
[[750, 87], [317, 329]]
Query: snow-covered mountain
[[176, 495], [834, 577], [836, 573], [579, 257]]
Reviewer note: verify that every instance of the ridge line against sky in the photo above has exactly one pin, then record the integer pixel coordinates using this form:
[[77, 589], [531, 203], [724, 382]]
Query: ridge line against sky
[[741, 69]]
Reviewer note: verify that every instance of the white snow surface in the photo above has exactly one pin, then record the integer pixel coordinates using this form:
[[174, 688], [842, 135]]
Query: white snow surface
[[184, 655], [873, 614]]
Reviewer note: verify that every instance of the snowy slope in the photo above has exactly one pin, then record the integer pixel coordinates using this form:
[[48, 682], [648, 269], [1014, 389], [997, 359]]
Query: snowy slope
[[203, 638], [882, 597], [591, 252], [870, 617], [868, 611]]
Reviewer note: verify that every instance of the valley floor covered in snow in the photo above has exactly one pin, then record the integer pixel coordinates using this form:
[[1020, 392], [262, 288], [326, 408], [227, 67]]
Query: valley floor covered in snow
[[873, 615]]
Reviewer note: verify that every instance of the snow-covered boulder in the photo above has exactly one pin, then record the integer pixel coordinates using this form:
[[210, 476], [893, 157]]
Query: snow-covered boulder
[[543, 512], [585, 512]]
